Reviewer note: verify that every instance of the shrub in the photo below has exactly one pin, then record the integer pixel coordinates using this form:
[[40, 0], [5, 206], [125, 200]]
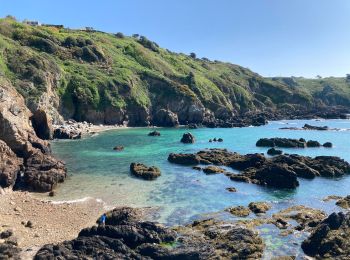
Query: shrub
[[120, 35], [148, 44], [41, 44], [193, 55]]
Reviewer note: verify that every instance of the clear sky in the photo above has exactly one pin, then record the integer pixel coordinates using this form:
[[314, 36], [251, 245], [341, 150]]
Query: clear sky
[[271, 37]]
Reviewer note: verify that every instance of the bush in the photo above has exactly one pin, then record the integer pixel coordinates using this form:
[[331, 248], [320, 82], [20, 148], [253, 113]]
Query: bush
[[193, 55], [43, 45], [148, 44], [120, 35], [70, 42]]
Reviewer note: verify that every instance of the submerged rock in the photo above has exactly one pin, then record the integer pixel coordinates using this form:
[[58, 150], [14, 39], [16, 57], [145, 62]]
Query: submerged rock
[[144, 172], [154, 133], [330, 239], [231, 189], [188, 138], [272, 151], [212, 170], [319, 128], [184, 159], [118, 148]]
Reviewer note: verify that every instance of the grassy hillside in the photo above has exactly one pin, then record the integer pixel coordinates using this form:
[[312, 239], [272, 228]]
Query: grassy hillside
[[95, 73]]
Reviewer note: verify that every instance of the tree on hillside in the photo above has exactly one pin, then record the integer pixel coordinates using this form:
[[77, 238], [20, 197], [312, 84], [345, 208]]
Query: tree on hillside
[[348, 78], [193, 55]]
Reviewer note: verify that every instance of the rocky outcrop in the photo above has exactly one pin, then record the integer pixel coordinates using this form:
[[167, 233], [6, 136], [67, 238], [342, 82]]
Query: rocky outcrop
[[259, 207], [154, 133], [126, 236], [281, 142], [239, 211], [344, 202], [328, 145], [42, 124], [188, 138], [165, 118], [330, 239], [213, 170], [281, 171], [66, 133], [319, 128], [10, 166], [272, 151], [41, 171], [142, 171]]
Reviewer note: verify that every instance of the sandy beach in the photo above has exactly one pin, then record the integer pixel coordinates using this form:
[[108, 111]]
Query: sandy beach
[[51, 222]]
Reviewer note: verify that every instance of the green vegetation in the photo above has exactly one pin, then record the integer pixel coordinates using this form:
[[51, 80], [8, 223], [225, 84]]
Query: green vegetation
[[96, 71]]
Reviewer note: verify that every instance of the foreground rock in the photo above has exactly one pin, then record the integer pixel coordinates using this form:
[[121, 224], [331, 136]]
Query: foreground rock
[[330, 239], [344, 202], [280, 171], [8, 245], [126, 236], [259, 207], [144, 172], [188, 138]]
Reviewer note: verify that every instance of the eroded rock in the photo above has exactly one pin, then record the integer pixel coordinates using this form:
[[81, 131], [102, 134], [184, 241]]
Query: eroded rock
[[144, 172]]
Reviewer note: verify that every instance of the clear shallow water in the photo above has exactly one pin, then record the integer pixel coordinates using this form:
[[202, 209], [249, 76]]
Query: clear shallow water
[[182, 194]]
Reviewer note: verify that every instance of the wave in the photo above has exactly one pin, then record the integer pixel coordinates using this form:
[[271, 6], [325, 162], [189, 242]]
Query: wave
[[85, 199]]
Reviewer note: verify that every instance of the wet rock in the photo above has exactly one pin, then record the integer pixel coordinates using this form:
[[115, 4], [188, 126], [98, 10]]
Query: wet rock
[[188, 138], [344, 202], [10, 166], [220, 140], [144, 172], [197, 168], [212, 170], [231, 189], [272, 151], [328, 145], [311, 127], [330, 238], [239, 211], [164, 117], [184, 159], [259, 207], [312, 143], [210, 140], [154, 133], [118, 148], [280, 142]]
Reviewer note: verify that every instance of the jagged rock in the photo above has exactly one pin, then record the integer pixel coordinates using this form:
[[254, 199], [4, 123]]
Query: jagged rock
[[144, 172], [42, 124], [126, 236], [259, 207], [10, 166], [311, 127], [344, 202], [328, 145], [212, 170], [66, 133], [330, 239], [166, 118], [184, 159], [312, 143], [188, 138], [272, 151], [239, 211], [43, 172], [280, 142], [118, 148], [154, 133]]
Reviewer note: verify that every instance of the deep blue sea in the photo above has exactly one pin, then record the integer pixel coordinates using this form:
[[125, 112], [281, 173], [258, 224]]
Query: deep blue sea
[[182, 194]]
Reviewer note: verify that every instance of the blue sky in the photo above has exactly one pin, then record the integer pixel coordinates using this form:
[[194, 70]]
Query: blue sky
[[271, 37]]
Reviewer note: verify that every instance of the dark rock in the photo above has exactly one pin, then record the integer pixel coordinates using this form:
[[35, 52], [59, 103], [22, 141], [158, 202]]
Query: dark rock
[[220, 140], [29, 224], [51, 194], [197, 168], [212, 170], [312, 143], [42, 124], [166, 118], [144, 172], [273, 151], [328, 145], [231, 189], [330, 238], [66, 133], [319, 128], [184, 159], [280, 142], [154, 133], [215, 140], [188, 138], [118, 148], [210, 140], [259, 207], [9, 246], [192, 126]]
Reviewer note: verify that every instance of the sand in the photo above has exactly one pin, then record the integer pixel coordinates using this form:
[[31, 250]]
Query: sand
[[52, 222]]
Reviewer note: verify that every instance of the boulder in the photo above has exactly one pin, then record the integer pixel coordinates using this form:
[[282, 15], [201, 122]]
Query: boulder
[[118, 148], [272, 151], [10, 166], [188, 138], [154, 133], [66, 133], [312, 143], [280, 142], [165, 118], [328, 145], [184, 159], [330, 238], [220, 140], [213, 170], [259, 207], [239, 211], [144, 172]]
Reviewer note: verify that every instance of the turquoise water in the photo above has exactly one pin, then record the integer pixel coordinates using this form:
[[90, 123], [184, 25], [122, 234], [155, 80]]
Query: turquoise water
[[183, 194]]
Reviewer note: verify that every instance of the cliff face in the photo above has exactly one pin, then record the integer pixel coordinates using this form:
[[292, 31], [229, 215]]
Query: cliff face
[[113, 79]]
